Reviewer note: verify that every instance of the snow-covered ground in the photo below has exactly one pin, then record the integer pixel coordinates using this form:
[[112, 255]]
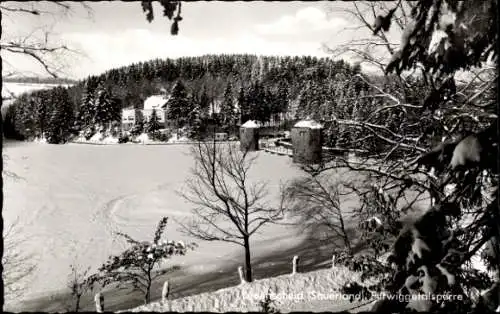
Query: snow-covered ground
[[71, 199], [313, 291], [101, 139], [10, 89]]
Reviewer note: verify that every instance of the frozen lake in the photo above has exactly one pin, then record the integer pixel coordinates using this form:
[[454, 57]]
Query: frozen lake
[[71, 198]]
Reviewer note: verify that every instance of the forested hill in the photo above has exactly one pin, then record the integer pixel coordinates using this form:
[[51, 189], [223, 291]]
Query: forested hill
[[211, 74], [243, 86], [270, 83]]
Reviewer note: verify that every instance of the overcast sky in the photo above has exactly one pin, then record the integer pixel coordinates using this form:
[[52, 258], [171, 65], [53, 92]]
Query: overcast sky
[[118, 34]]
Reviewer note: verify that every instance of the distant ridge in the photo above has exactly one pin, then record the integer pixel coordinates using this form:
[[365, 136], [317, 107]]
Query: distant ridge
[[39, 80]]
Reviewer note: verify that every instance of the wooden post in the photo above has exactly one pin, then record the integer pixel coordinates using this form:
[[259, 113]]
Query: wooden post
[[333, 261], [216, 307], [165, 291], [294, 264], [242, 277], [99, 302]]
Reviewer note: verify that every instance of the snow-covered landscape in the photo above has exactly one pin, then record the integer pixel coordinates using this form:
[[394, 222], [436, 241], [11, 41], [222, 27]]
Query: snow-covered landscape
[[11, 89], [318, 291], [70, 207], [284, 157], [101, 139]]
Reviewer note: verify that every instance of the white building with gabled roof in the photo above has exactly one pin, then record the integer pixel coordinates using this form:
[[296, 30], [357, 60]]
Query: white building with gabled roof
[[157, 103], [154, 102]]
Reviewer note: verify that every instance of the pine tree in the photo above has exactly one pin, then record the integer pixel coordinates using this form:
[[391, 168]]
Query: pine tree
[[204, 103], [310, 100], [282, 100], [256, 101], [267, 104], [138, 126], [303, 102], [243, 105], [227, 107], [196, 124], [61, 118], [153, 125], [87, 108], [105, 106], [190, 106], [41, 112], [178, 102]]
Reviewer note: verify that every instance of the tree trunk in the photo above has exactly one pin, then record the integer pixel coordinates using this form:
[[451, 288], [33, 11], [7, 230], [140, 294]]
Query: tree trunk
[[347, 243], [147, 297], [77, 305], [248, 265], [496, 243]]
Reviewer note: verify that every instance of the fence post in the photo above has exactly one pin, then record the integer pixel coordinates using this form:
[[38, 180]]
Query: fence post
[[294, 264], [240, 272], [99, 302], [165, 291], [333, 261]]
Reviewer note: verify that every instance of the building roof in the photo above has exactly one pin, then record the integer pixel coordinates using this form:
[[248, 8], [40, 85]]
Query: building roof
[[311, 124], [251, 124], [155, 102]]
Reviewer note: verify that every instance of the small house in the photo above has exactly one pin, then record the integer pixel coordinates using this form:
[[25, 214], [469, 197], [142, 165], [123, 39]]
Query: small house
[[154, 102]]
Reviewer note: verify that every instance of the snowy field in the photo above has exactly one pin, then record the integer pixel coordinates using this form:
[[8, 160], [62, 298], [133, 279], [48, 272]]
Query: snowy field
[[10, 89], [71, 198]]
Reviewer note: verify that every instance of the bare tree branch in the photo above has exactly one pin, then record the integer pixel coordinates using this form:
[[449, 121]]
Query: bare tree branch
[[18, 267], [36, 44], [229, 207]]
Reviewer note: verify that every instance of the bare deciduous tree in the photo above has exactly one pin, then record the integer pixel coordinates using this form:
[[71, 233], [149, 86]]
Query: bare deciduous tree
[[39, 44], [455, 102], [371, 50], [315, 199], [229, 207], [18, 266], [78, 283]]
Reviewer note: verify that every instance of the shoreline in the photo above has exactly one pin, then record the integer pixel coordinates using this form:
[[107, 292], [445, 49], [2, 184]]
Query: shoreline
[[157, 143], [266, 265]]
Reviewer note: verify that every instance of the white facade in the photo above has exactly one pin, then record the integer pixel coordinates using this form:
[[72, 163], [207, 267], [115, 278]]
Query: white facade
[[221, 136], [158, 103], [160, 113], [155, 102], [128, 118], [128, 115]]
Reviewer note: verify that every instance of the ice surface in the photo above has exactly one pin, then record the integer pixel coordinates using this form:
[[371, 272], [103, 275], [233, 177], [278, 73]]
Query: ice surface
[[71, 199]]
